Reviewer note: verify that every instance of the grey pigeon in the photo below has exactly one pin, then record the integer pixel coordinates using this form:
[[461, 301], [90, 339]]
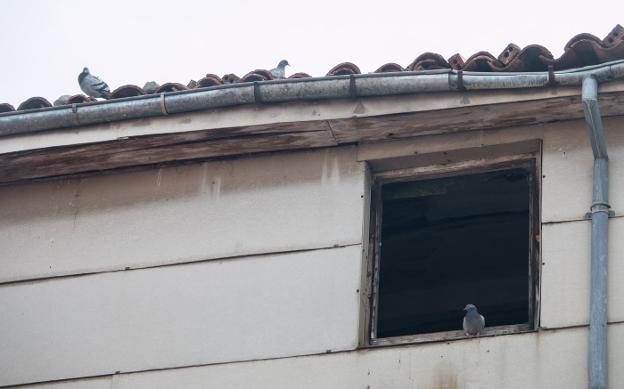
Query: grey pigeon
[[280, 70], [63, 100], [92, 85], [473, 321], [151, 87]]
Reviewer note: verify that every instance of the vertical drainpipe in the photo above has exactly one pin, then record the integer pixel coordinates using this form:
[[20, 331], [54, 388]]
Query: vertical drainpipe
[[598, 361]]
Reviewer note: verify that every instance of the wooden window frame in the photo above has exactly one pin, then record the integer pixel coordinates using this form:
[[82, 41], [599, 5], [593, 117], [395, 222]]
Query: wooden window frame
[[531, 162]]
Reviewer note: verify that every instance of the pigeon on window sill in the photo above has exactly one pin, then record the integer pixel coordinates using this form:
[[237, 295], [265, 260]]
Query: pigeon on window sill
[[473, 321]]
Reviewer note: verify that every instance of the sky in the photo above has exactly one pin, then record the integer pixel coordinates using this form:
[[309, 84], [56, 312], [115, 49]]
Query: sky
[[45, 44]]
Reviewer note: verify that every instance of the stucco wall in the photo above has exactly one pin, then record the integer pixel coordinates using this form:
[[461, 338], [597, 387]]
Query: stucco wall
[[260, 260]]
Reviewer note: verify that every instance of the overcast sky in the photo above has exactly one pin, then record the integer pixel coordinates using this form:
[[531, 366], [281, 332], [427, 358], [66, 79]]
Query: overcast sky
[[45, 44]]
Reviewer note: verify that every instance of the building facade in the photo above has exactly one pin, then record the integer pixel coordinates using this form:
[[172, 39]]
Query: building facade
[[243, 245]]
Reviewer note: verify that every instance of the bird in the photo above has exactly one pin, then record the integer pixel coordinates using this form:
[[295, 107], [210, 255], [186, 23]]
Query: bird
[[92, 85], [280, 70], [473, 321]]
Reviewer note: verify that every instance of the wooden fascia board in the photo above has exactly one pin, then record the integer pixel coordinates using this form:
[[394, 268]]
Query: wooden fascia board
[[312, 125]]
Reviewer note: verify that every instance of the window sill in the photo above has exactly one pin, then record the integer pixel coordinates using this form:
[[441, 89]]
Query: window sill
[[449, 335]]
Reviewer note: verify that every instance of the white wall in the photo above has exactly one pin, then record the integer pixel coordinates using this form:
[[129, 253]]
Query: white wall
[[279, 304], [180, 214], [209, 312], [544, 360]]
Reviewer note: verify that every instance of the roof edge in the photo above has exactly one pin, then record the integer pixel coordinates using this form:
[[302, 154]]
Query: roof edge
[[291, 90]]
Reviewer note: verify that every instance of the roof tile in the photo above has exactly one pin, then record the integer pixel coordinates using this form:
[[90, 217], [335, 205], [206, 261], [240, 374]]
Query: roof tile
[[257, 75], [344, 69], [209, 80], [127, 91], [6, 107], [300, 75], [34, 103], [389, 67], [428, 61], [581, 50], [171, 87], [80, 98]]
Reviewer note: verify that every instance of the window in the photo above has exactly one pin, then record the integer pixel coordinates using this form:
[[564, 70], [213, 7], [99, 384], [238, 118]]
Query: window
[[442, 238]]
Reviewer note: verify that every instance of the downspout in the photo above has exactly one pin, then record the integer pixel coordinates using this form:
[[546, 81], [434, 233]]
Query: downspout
[[597, 356]]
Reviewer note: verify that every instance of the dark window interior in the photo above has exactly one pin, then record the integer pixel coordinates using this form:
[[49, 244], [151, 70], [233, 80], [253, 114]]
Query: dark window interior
[[451, 241]]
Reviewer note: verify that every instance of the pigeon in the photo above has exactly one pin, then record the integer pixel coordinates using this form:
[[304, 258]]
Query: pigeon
[[151, 87], [92, 85], [473, 321], [63, 100], [280, 70]]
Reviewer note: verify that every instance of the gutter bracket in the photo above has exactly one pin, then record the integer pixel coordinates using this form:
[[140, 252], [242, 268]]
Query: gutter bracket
[[460, 81], [551, 76], [352, 88], [163, 107], [256, 93]]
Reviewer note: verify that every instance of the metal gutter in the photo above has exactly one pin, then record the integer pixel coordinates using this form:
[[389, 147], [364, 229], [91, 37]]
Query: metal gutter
[[290, 90], [597, 356]]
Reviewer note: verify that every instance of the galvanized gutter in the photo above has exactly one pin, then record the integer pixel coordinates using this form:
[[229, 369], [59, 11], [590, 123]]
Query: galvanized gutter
[[290, 90], [597, 356]]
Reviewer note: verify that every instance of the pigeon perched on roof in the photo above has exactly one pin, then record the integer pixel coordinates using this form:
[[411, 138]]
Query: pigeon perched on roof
[[63, 100], [92, 85], [280, 70], [151, 87], [473, 321]]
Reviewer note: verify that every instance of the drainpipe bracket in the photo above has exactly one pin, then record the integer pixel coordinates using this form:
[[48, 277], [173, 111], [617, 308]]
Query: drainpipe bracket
[[588, 215]]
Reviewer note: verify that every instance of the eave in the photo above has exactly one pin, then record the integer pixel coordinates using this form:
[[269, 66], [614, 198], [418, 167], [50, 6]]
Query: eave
[[301, 123]]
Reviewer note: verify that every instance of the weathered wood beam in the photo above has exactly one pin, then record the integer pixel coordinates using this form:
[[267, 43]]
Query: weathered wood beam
[[523, 113], [60, 161], [244, 140]]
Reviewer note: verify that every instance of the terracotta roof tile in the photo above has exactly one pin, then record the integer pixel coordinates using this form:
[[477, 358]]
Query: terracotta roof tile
[[344, 69], [389, 67], [79, 98], [209, 80], [6, 107], [428, 61], [257, 75], [582, 50], [171, 87], [34, 103], [230, 78], [300, 75], [127, 91]]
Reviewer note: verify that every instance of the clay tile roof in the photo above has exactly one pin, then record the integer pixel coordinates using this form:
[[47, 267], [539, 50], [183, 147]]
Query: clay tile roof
[[127, 91], [429, 61], [389, 67], [257, 75], [171, 87], [300, 75], [34, 103], [209, 80], [344, 69], [230, 78], [582, 50], [6, 107], [77, 99]]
